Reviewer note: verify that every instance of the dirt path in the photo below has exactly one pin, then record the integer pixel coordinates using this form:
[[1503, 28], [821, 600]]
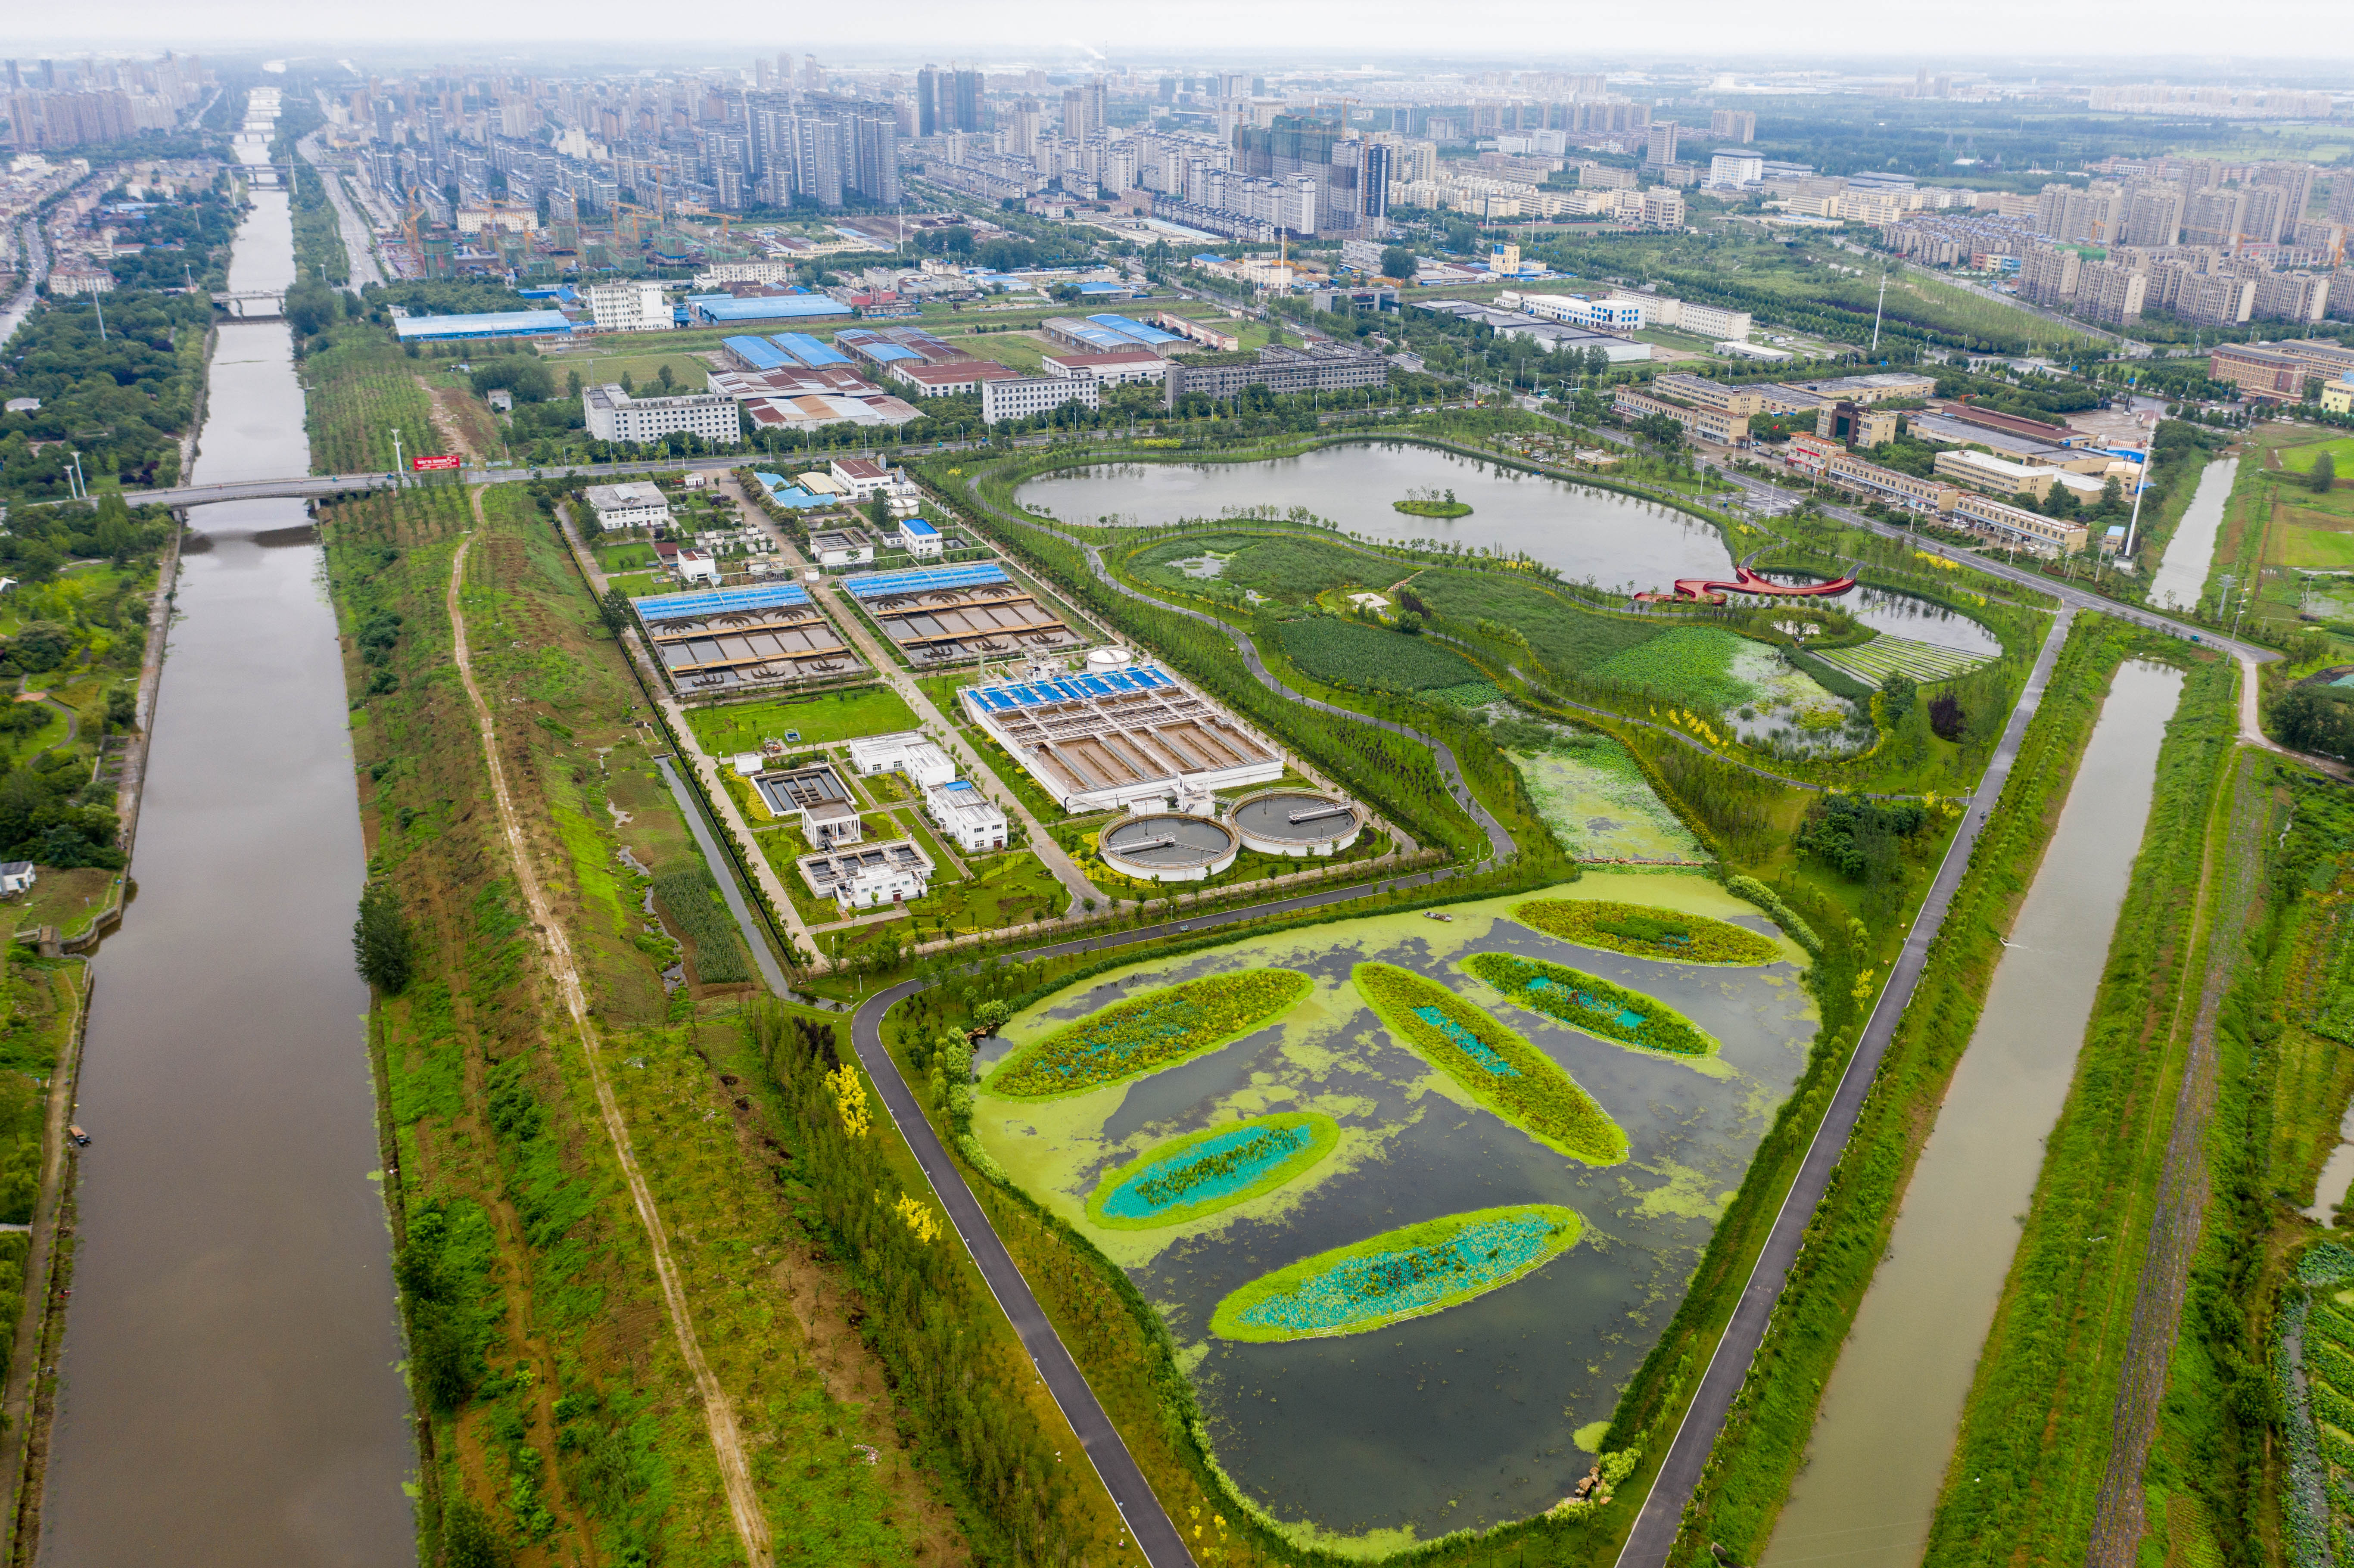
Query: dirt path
[[719, 1414], [2233, 876]]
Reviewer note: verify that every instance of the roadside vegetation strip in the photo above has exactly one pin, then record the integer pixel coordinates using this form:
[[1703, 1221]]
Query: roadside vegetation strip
[[1147, 1033], [1492, 1064], [1641, 931], [1593, 1004], [1739, 1493], [1411, 1272], [1193, 1177], [719, 1413]]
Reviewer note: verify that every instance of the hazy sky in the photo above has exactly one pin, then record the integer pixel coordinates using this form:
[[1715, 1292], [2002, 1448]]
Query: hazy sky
[[1726, 34]]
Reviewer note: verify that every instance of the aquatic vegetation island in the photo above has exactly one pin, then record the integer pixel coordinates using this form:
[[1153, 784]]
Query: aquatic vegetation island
[[1146, 1034], [1593, 1004], [1492, 1064], [1407, 1273], [1640, 931], [1194, 1176]]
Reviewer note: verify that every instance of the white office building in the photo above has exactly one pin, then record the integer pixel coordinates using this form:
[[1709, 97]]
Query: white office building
[[630, 306], [1736, 169], [919, 539], [965, 816], [635, 505], [1019, 397], [612, 415], [905, 751]]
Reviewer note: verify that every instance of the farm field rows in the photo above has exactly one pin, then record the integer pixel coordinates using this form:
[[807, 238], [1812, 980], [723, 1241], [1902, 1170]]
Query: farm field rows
[[1886, 656]]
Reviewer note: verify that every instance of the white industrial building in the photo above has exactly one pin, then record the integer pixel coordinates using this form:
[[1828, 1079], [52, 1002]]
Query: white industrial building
[[863, 875], [1022, 396], [1117, 736], [634, 505], [919, 538], [965, 816], [842, 547], [630, 306], [905, 751], [612, 415]]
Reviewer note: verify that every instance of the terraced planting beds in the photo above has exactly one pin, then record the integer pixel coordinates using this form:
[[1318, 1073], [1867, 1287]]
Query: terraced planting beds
[[1492, 1064], [1411, 1272], [1644, 932], [1155, 1030], [1874, 661], [1193, 1177], [1370, 1442], [1591, 1003]]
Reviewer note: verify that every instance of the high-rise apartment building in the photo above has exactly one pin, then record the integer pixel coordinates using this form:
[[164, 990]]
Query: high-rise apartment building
[[2212, 217], [2109, 294], [1733, 125], [2153, 215], [1661, 149], [2048, 275]]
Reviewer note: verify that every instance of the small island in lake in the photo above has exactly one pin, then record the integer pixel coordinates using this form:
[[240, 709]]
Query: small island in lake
[[1432, 503]]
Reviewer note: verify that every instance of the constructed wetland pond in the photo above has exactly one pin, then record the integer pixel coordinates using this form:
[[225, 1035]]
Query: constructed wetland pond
[[1433, 1261]]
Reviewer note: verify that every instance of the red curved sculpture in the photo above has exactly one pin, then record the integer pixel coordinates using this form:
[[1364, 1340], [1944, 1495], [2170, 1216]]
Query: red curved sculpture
[[1701, 590]]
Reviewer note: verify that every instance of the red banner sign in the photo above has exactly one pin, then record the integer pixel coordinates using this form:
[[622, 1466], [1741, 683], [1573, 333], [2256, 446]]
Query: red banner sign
[[424, 464]]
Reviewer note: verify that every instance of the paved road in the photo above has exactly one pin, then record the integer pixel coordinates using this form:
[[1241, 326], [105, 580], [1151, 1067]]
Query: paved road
[[1158, 1537], [359, 240], [1662, 1517], [724, 875]]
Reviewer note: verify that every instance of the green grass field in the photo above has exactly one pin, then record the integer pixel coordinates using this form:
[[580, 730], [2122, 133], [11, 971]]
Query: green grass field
[[2300, 460], [644, 370], [822, 719]]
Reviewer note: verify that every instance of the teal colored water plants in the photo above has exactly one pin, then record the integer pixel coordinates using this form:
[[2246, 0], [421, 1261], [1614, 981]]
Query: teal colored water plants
[[1593, 1004], [1147, 1033], [1407, 1273], [1193, 1177], [1640, 931], [1492, 1064]]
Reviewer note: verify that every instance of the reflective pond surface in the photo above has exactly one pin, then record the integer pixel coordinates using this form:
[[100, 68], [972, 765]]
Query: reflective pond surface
[[1475, 1414]]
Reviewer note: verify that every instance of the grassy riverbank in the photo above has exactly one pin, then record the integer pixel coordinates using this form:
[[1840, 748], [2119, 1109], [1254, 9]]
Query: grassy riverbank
[[2035, 1434], [558, 1416], [1765, 1437]]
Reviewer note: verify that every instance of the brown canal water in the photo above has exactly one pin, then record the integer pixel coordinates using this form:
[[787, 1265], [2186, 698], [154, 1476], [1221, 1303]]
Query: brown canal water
[[231, 1392], [1895, 1402]]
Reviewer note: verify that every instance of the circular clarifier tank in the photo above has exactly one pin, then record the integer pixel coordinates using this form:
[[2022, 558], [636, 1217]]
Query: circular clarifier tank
[[1170, 846], [1297, 822]]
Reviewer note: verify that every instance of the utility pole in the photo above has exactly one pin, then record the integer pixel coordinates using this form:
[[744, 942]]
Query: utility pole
[[396, 458], [2141, 482], [101, 309], [1876, 309]]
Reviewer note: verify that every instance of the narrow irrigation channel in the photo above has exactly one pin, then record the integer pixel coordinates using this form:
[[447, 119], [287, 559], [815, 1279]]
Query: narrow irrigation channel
[[1892, 1406]]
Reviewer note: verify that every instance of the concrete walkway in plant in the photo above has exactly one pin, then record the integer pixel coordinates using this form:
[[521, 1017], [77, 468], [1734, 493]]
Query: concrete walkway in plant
[[725, 875]]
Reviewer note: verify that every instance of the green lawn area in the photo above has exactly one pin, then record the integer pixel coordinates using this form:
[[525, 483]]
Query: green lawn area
[[2300, 460], [625, 557], [1006, 890], [640, 584], [70, 900], [822, 718], [2314, 549], [644, 370]]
